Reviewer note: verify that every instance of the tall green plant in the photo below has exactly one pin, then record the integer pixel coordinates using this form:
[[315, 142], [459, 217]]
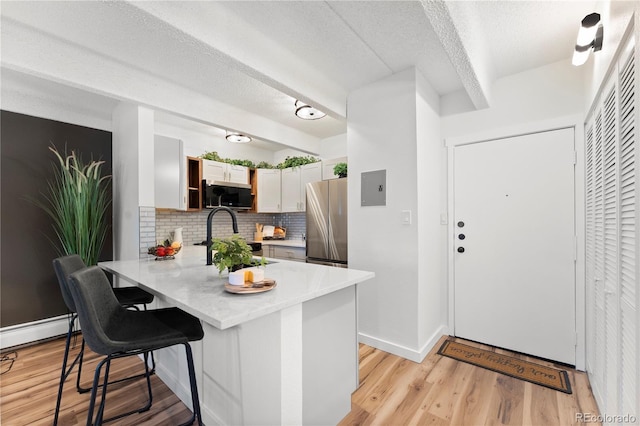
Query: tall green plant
[[78, 201]]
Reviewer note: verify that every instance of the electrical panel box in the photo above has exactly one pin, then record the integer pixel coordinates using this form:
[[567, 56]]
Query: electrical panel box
[[374, 188]]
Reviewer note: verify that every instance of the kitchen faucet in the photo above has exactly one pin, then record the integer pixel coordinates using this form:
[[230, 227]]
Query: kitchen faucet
[[234, 220]]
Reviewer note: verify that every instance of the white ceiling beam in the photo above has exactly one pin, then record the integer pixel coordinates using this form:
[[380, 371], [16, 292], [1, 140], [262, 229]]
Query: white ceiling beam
[[242, 47], [30, 51], [460, 36]]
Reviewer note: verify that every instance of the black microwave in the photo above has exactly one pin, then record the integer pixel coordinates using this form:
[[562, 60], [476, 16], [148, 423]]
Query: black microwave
[[232, 195]]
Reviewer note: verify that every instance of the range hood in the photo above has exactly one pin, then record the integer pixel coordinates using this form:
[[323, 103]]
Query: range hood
[[236, 196], [230, 184]]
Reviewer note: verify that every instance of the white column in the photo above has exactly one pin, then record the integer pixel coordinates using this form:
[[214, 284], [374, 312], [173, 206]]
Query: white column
[[133, 182]]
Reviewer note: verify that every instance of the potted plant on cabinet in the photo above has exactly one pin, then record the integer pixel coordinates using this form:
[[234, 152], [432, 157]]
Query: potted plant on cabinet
[[340, 169], [233, 253], [77, 200]]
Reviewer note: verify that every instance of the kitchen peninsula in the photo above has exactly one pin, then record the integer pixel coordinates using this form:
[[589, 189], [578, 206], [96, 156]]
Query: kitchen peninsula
[[285, 356]]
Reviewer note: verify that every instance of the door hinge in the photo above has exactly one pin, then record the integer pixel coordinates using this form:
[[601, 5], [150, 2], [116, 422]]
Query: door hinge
[[575, 158]]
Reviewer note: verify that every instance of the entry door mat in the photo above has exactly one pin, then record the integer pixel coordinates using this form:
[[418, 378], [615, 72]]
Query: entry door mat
[[514, 367]]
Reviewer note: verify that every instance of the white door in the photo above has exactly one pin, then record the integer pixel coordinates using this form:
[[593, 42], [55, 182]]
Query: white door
[[514, 259]]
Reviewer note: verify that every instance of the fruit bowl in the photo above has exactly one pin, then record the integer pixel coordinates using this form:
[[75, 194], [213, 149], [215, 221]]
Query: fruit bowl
[[165, 252]]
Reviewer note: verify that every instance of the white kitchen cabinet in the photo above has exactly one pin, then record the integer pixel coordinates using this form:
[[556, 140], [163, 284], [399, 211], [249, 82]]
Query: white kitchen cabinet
[[237, 174], [294, 183], [224, 172], [308, 173], [328, 165], [176, 177], [169, 173], [268, 191], [290, 189]]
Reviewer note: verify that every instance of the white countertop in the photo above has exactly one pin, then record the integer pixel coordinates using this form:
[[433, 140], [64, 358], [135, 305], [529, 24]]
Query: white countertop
[[286, 243], [188, 283]]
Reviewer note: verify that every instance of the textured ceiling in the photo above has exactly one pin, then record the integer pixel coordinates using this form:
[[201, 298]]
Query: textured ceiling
[[522, 35], [259, 56]]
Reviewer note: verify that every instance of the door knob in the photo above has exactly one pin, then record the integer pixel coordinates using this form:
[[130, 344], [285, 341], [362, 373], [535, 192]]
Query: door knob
[[461, 224], [461, 237], [460, 249]]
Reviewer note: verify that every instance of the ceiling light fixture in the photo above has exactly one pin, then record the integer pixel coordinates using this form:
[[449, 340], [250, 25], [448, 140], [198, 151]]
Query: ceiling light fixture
[[307, 112], [589, 37], [237, 137]]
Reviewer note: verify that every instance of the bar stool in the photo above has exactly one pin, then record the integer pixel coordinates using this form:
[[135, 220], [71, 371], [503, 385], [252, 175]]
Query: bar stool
[[116, 332], [128, 297]]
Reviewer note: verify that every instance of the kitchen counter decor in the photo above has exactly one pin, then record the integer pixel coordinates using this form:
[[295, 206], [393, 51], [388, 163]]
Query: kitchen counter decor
[[166, 251], [251, 288], [232, 253], [305, 331]]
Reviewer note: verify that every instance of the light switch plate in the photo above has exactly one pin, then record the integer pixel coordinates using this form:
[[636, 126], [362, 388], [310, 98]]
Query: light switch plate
[[406, 217]]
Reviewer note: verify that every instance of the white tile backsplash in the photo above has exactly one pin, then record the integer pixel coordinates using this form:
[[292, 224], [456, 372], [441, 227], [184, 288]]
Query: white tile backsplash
[[194, 224]]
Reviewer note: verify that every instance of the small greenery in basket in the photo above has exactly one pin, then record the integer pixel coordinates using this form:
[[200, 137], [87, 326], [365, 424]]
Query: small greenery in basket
[[212, 155], [233, 253], [297, 162], [340, 169], [265, 165], [245, 163]]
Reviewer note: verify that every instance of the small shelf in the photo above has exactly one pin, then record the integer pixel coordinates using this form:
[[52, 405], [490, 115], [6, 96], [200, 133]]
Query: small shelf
[[194, 179]]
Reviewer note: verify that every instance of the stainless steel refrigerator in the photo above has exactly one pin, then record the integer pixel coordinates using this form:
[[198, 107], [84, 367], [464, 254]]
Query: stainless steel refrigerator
[[327, 222]]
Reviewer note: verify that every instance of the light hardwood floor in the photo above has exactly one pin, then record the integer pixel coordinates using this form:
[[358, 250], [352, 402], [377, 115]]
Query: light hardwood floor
[[443, 391], [28, 391], [393, 391]]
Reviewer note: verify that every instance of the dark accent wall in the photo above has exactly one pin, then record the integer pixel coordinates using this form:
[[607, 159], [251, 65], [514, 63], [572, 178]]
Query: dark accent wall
[[29, 290]]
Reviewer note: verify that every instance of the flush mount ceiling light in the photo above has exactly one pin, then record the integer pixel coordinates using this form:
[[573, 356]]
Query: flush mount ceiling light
[[589, 37], [307, 112], [237, 137]]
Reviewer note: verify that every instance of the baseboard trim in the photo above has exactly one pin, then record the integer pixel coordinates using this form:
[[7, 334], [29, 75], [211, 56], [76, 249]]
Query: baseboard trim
[[172, 382], [415, 355], [29, 332]]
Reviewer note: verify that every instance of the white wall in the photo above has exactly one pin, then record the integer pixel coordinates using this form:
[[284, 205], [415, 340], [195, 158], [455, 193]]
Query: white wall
[[535, 95], [30, 95], [333, 147], [197, 143], [383, 134], [432, 201], [133, 175]]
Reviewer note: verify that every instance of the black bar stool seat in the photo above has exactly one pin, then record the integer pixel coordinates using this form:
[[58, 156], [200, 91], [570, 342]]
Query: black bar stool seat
[[114, 331], [126, 296], [130, 296]]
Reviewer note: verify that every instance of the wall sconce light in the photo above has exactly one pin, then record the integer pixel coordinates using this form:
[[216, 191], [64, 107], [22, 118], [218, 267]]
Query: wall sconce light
[[307, 112], [237, 137], [589, 37]]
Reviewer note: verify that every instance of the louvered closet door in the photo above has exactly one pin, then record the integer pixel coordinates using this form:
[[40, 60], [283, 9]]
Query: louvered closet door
[[611, 243], [590, 242], [598, 254], [628, 241]]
